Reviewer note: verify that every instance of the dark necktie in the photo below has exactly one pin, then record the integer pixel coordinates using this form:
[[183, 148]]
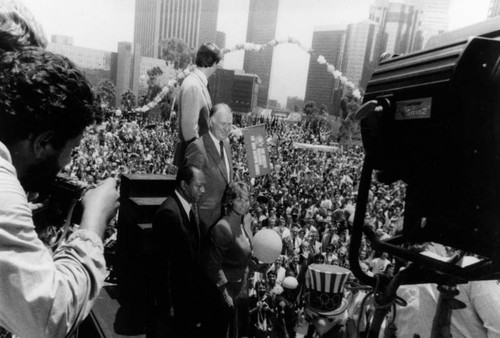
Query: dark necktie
[[313, 248], [328, 239], [193, 214], [222, 157], [195, 220]]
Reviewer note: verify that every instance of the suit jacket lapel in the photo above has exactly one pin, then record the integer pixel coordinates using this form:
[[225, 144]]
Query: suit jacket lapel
[[214, 153], [184, 215], [190, 224]]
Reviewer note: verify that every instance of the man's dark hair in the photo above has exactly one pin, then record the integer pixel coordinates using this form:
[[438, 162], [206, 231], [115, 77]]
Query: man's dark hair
[[208, 54], [185, 173], [42, 91]]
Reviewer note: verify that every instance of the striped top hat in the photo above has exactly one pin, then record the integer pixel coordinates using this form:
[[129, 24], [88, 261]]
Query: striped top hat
[[325, 289]]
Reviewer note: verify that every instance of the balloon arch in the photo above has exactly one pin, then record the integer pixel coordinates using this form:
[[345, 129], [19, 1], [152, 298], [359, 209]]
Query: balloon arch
[[248, 46]]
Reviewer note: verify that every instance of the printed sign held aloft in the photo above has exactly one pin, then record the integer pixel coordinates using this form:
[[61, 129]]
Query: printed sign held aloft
[[257, 152]]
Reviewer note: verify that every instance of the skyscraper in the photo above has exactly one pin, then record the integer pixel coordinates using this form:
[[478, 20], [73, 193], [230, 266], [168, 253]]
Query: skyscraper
[[435, 17], [261, 29], [399, 25], [494, 9], [194, 21], [125, 68], [321, 86], [360, 52], [220, 39]]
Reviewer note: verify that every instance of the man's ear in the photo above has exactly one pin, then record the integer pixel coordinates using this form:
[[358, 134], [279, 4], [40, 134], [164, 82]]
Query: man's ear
[[43, 144], [184, 186]]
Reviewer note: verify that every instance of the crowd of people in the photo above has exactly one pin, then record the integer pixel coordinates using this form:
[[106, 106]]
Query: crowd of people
[[210, 278], [308, 199]]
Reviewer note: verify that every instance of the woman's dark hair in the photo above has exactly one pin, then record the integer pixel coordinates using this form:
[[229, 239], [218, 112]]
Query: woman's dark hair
[[42, 91]]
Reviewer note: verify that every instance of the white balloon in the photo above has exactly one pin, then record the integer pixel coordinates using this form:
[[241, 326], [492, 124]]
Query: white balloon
[[267, 245]]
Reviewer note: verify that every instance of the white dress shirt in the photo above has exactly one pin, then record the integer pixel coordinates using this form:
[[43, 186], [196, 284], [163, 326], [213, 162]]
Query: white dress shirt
[[226, 158], [42, 295]]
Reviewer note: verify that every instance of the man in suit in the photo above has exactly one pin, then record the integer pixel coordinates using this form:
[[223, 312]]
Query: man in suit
[[176, 237], [212, 154], [194, 102]]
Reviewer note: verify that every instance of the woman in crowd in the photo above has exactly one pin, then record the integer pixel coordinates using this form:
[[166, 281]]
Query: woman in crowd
[[229, 254]]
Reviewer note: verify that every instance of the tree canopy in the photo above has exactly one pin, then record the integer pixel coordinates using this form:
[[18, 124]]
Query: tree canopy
[[128, 100], [177, 52], [105, 93], [349, 128]]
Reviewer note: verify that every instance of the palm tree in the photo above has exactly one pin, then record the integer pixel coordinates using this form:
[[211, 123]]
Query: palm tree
[[349, 127], [106, 92], [127, 101]]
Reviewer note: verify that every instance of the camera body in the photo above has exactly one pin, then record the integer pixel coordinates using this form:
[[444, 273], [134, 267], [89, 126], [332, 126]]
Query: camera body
[[439, 132], [61, 206]]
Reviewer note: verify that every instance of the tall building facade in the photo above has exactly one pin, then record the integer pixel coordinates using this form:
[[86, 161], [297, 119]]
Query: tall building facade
[[208, 22], [294, 103], [399, 25], [235, 88], [245, 92], [126, 68], [221, 86], [220, 39], [97, 64], [262, 18], [194, 21], [494, 9], [360, 52], [435, 17], [321, 87]]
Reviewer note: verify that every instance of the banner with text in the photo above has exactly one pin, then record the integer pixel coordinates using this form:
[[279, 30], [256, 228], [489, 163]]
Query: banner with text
[[316, 147], [257, 152]]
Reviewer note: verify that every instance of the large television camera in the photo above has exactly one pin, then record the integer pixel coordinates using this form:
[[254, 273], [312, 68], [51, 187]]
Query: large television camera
[[437, 128], [61, 209]]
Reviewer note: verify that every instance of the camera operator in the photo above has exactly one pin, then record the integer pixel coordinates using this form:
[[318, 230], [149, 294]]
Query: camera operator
[[45, 105]]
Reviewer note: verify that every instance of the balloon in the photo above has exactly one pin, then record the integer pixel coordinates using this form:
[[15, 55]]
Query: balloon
[[267, 245], [290, 283]]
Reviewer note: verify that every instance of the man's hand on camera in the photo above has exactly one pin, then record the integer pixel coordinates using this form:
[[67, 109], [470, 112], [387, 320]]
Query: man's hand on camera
[[99, 206]]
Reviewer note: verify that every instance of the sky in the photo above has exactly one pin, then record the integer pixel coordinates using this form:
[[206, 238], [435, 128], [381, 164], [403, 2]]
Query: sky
[[101, 24]]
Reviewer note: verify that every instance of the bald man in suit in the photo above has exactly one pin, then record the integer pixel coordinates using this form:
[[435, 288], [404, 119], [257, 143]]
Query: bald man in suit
[[176, 245], [212, 154]]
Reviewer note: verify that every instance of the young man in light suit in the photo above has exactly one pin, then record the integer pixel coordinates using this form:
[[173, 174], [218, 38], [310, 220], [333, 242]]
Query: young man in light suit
[[194, 102]]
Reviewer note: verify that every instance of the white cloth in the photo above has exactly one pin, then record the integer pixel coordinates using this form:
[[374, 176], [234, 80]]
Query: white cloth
[[284, 232], [327, 204], [42, 295], [379, 264], [480, 318]]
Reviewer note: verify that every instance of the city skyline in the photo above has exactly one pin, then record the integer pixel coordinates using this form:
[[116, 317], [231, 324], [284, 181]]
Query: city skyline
[[155, 21], [101, 24], [262, 21]]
